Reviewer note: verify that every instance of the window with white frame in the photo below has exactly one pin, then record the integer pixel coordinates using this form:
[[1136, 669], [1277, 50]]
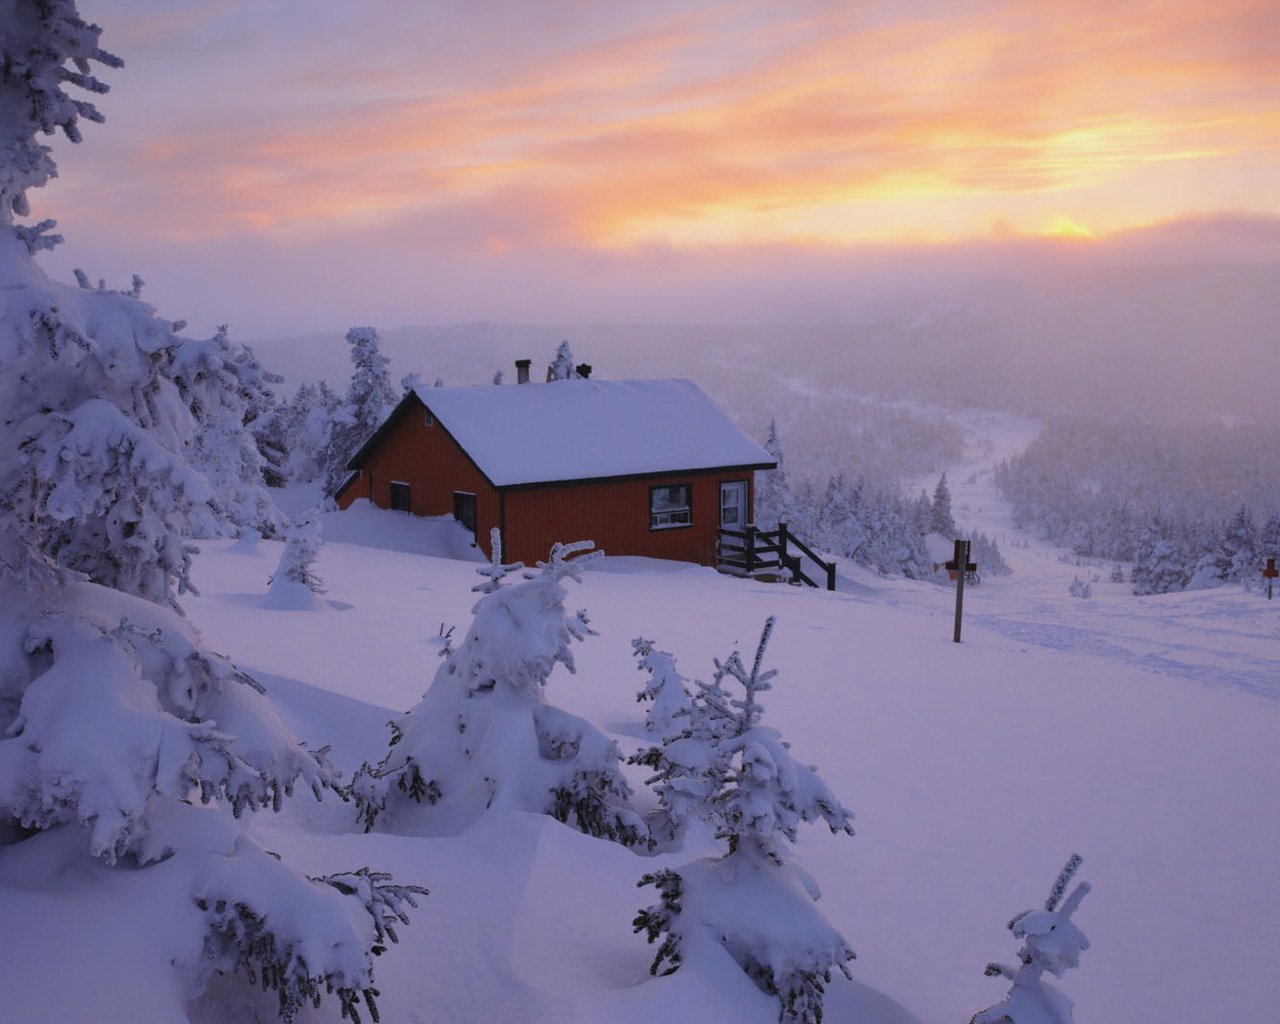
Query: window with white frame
[[670, 505]]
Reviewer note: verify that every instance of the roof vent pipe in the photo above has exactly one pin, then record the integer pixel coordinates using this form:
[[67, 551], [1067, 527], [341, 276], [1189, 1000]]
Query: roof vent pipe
[[522, 370]]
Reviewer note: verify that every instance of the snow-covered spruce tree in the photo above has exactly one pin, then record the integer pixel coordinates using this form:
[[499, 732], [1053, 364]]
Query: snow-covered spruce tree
[[121, 738], [303, 425], [774, 500], [984, 551], [1269, 541], [562, 367], [1082, 589], [295, 584], [752, 903], [666, 718], [669, 711], [1240, 545], [484, 738], [370, 397], [835, 530], [940, 518], [227, 391], [1052, 942], [1160, 566], [93, 476]]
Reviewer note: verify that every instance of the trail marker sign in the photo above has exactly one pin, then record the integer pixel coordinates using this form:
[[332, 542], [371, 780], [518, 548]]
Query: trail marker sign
[[958, 568]]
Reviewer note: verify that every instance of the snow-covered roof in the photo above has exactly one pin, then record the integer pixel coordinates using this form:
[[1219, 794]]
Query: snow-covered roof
[[587, 429]]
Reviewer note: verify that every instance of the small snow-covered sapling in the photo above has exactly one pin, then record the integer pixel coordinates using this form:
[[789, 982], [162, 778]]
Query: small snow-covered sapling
[[301, 548], [484, 737], [1052, 942], [669, 711], [739, 776]]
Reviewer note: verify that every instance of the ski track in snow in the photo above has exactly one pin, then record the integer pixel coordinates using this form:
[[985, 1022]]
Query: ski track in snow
[[1170, 634]]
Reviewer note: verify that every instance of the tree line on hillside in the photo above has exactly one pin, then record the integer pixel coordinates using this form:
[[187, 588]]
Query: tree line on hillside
[[1186, 507], [880, 529], [831, 431]]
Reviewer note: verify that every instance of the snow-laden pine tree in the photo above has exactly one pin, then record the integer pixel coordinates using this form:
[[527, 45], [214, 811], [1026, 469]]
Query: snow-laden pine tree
[[984, 551], [1159, 564], [562, 367], [940, 518], [669, 710], [369, 398], [303, 426], [753, 903], [484, 737], [121, 738], [1052, 943], [1240, 546], [1269, 540], [227, 391], [835, 529], [774, 501], [295, 584]]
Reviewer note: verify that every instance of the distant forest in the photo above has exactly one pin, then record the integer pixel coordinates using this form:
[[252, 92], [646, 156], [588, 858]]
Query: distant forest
[[1190, 505]]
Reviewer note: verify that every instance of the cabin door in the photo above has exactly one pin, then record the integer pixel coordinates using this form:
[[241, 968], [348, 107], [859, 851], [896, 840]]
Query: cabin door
[[730, 549]]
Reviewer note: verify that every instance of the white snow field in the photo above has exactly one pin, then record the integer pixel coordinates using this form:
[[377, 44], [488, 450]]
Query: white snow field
[[1143, 733]]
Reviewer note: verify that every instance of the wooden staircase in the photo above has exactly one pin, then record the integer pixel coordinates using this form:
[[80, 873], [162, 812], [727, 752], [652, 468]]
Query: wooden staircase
[[777, 553]]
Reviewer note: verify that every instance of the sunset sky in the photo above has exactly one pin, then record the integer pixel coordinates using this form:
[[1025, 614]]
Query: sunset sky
[[293, 166]]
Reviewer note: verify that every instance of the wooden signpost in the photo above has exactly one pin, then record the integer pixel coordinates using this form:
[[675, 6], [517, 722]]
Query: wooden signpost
[[959, 567], [1269, 574]]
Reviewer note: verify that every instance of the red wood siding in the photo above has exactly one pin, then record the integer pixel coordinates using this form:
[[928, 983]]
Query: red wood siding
[[432, 464], [615, 514]]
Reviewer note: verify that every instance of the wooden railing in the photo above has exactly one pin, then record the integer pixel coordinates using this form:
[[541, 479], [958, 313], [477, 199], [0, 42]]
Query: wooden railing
[[754, 552]]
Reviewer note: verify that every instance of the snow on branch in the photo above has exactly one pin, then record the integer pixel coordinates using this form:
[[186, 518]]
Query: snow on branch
[[39, 237], [298, 937], [496, 571], [1052, 943], [39, 40]]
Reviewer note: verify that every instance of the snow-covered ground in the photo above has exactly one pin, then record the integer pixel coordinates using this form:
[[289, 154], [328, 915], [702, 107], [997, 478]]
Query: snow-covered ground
[[1143, 733]]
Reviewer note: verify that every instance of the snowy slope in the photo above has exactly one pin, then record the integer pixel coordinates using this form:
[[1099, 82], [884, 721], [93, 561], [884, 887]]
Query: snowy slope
[[1141, 732]]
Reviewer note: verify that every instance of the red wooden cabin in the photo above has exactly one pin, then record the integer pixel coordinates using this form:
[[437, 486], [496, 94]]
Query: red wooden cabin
[[648, 468]]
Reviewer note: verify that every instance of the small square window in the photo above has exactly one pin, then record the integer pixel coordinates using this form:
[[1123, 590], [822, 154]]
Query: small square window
[[669, 506]]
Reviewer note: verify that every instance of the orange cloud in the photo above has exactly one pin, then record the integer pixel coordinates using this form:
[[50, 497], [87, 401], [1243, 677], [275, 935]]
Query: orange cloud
[[752, 123]]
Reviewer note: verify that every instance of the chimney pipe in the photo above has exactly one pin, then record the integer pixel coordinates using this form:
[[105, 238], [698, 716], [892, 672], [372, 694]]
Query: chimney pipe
[[522, 370], [584, 370]]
